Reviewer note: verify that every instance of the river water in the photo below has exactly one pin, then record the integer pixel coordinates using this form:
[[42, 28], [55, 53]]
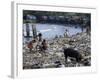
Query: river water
[[49, 31]]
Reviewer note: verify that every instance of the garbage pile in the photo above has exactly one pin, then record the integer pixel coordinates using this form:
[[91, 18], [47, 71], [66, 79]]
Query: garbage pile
[[54, 56]]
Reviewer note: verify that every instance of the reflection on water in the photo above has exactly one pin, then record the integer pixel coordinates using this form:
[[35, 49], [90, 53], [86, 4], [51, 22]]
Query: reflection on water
[[49, 31]]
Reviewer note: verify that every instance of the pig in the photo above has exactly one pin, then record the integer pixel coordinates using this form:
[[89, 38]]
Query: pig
[[69, 52]]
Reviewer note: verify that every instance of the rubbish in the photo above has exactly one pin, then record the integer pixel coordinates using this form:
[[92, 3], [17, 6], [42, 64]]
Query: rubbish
[[54, 53]]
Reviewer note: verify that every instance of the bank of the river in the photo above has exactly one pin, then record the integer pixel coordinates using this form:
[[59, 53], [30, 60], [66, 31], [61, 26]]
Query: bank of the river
[[54, 56]]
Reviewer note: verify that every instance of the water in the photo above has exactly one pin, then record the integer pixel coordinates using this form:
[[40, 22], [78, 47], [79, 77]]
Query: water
[[49, 31]]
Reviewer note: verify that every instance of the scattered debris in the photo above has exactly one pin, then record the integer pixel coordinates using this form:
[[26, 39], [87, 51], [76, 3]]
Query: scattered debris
[[54, 56]]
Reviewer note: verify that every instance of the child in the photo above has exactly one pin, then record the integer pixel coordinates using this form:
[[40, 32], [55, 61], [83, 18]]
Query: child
[[44, 45], [30, 46]]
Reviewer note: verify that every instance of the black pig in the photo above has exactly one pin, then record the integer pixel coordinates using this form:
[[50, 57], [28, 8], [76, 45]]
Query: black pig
[[69, 52]]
